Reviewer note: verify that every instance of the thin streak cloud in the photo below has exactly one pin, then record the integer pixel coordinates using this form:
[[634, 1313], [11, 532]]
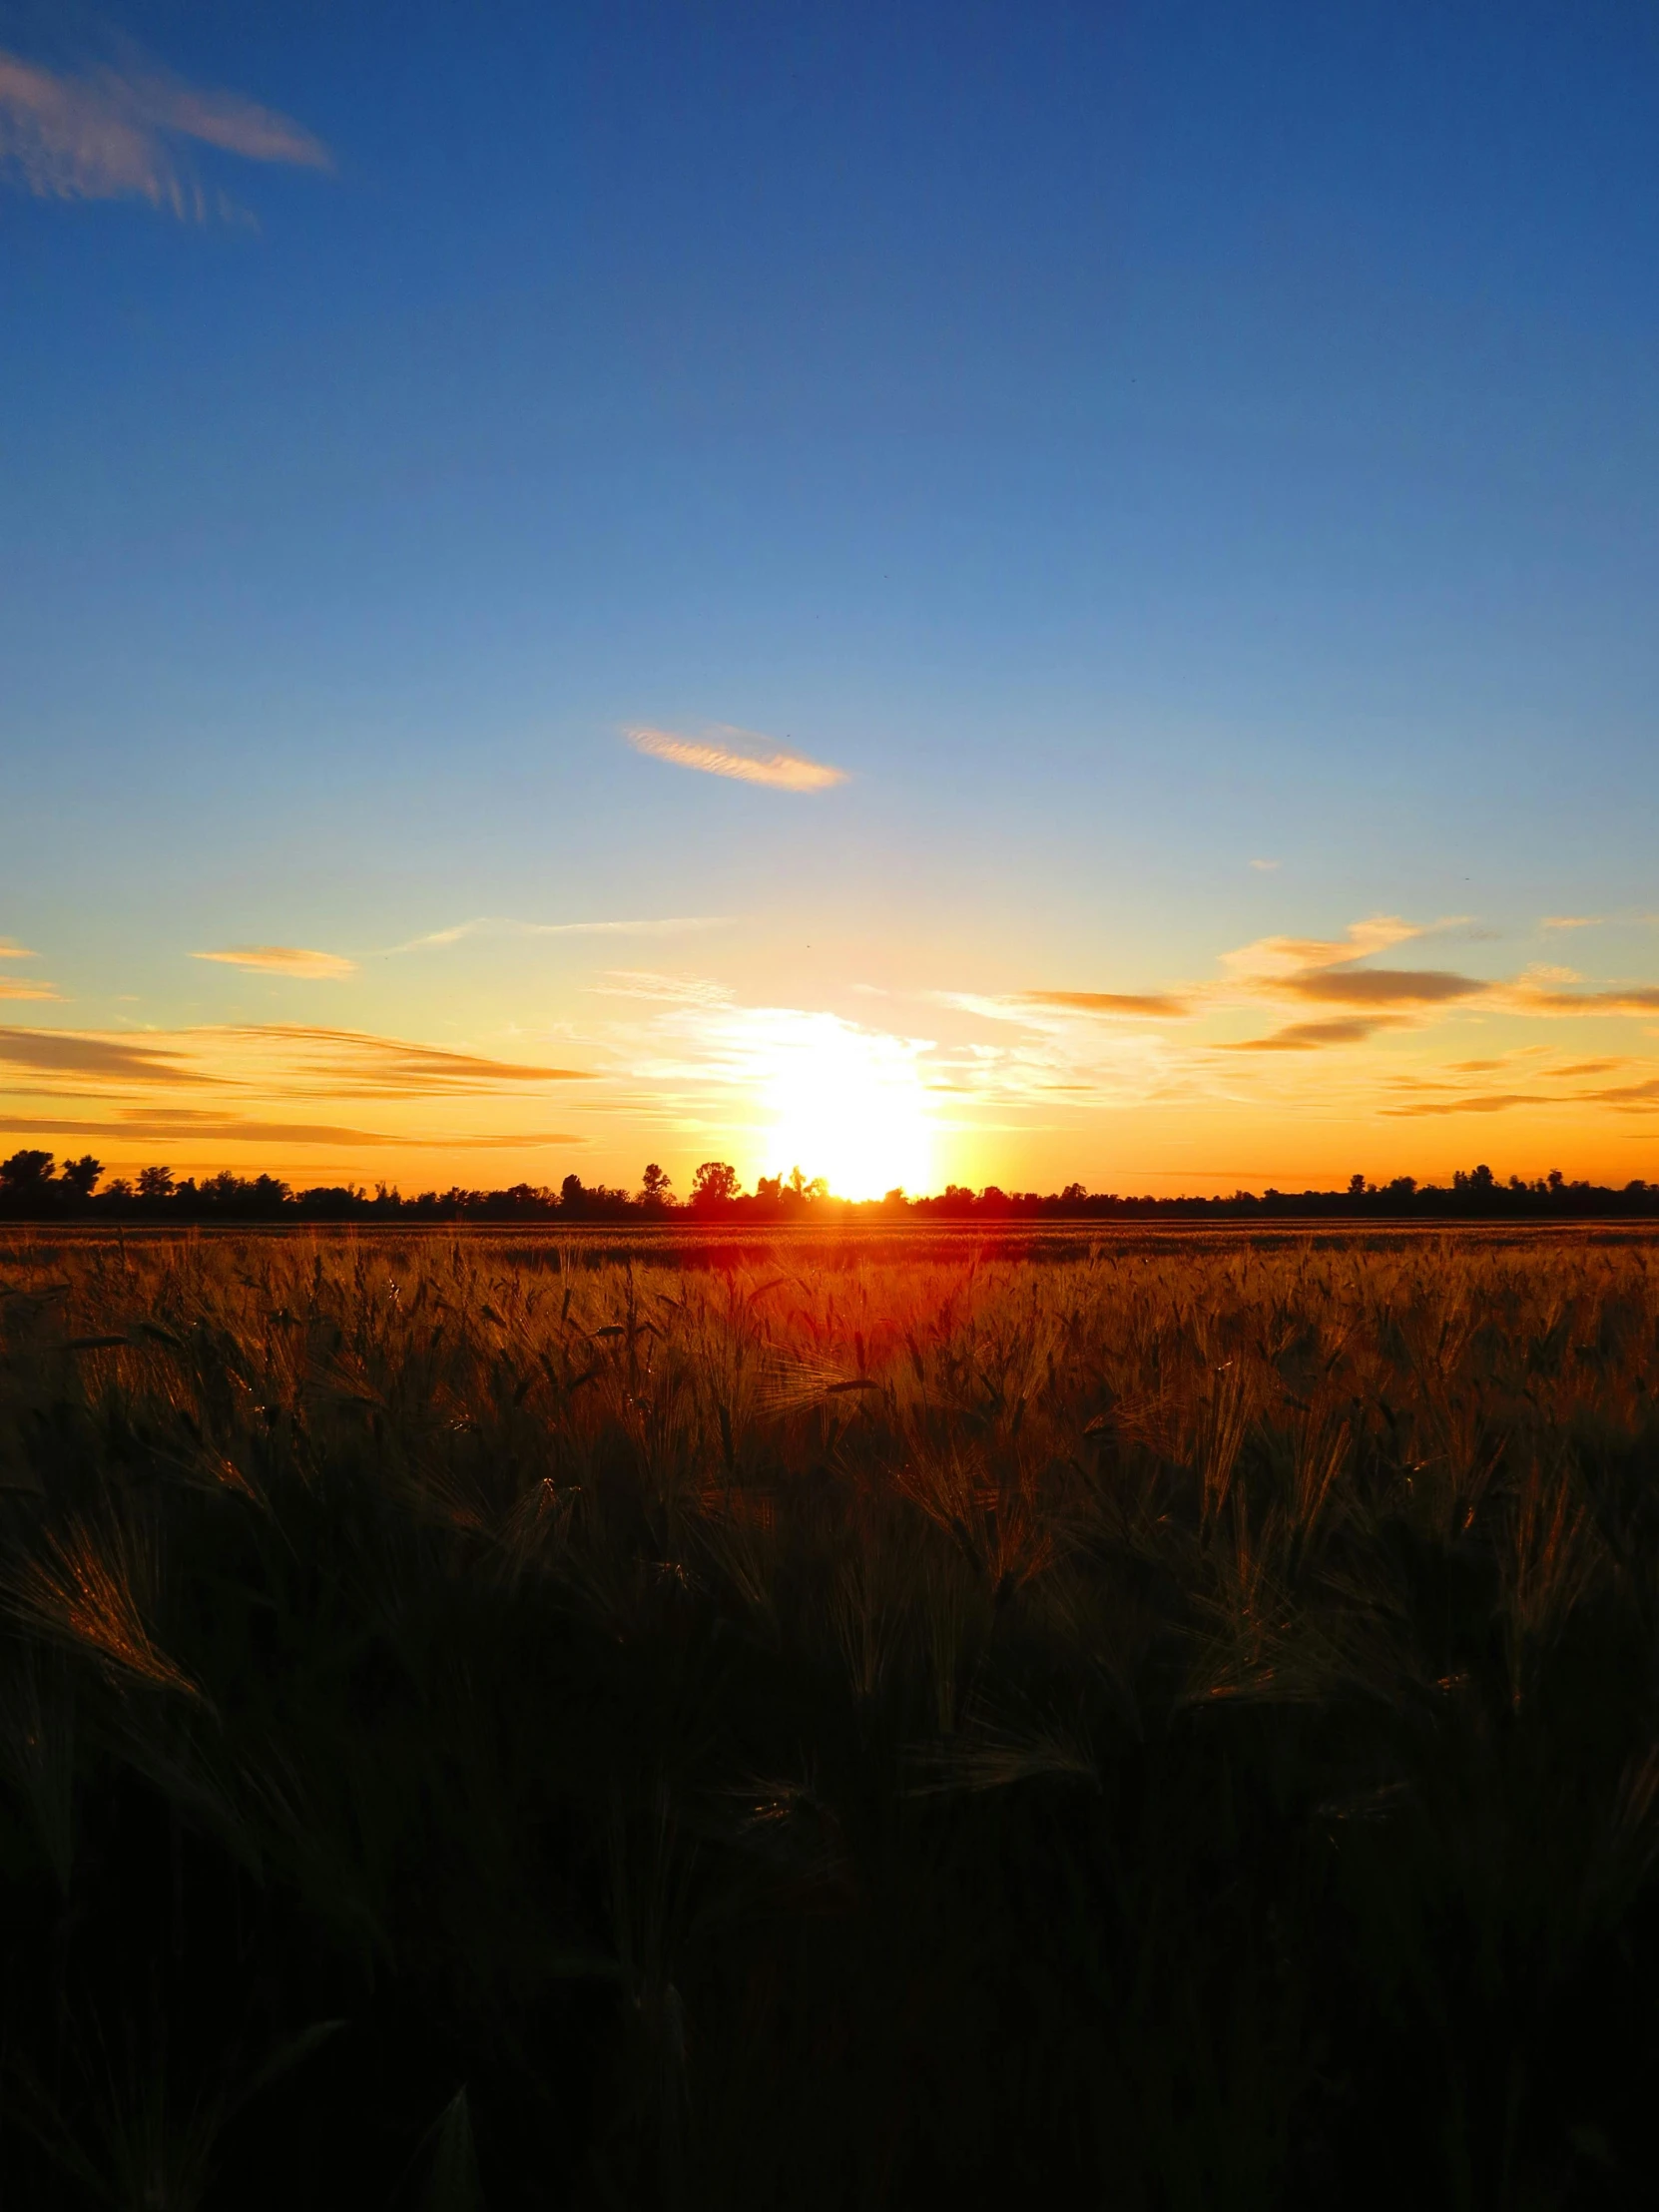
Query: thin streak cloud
[[352, 1063], [1315, 1036], [165, 1128], [11, 950], [113, 133], [1356, 987], [500, 925], [1629, 1094], [284, 959], [12, 987], [1639, 1000], [70, 1052], [1156, 1005], [1270, 958], [665, 990], [1490, 1102], [742, 755], [278, 1060]]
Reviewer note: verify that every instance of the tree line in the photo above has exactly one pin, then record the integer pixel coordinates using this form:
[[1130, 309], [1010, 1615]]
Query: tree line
[[34, 1188]]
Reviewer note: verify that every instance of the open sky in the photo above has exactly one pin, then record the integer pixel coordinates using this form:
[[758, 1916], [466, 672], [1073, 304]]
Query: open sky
[[1015, 593]]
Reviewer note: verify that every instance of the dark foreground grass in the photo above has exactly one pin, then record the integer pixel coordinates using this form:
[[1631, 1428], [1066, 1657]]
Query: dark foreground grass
[[1172, 1728]]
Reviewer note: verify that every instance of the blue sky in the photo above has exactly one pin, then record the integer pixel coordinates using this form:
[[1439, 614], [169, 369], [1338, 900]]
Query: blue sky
[[1128, 444]]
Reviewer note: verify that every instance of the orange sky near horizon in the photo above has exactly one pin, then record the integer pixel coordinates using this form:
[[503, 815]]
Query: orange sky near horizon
[[1389, 1047]]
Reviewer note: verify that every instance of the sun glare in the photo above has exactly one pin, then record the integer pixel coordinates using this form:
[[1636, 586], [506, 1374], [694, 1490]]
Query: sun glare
[[850, 1106]]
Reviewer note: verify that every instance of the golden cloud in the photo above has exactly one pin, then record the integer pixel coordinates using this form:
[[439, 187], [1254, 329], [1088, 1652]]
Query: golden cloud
[[1488, 1102], [1269, 958], [10, 988], [1357, 987], [1155, 1005], [299, 1060], [159, 1127], [284, 959], [742, 755], [1629, 1094], [1314, 1036], [278, 1060], [351, 1062], [70, 1052], [1643, 999]]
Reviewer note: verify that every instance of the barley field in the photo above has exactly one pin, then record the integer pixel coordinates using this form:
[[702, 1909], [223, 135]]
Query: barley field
[[1143, 1721]]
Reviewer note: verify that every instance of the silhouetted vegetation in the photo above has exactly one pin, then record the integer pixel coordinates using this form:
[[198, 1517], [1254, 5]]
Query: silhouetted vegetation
[[30, 1190], [483, 1724]]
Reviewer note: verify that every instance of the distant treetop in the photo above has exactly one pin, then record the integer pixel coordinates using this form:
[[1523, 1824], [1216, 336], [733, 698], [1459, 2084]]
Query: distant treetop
[[33, 1188]]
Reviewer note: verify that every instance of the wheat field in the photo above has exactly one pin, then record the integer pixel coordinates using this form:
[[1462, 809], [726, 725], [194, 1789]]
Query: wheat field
[[499, 1720]]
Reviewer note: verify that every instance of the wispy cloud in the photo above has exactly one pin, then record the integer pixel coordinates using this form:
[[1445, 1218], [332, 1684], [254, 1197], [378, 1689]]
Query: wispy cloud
[[70, 1052], [119, 133], [162, 1127], [1570, 922], [1272, 958], [1155, 1005], [1360, 986], [1530, 998], [665, 990], [284, 959], [1629, 1094], [1487, 1102], [278, 1060], [500, 925], [742, 755], [12, 986], [1315, 1036], [296, 1061], [1266, 867]]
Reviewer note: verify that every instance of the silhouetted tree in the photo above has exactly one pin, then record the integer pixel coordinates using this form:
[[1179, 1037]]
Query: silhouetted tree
[[31, 1188], [26, 1173], [714, 1184]]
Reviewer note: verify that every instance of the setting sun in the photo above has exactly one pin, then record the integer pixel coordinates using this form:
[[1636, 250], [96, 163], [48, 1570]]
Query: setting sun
[[850, 1106]]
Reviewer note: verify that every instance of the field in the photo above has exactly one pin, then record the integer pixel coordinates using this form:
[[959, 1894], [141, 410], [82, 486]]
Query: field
[[1159, 1720]]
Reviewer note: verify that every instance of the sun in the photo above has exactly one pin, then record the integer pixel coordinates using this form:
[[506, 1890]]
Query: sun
[[849, 1105]]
